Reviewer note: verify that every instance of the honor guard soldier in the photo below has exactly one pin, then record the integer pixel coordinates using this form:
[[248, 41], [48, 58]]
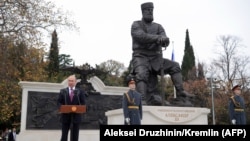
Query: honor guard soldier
[[237, 107], [132, 104]]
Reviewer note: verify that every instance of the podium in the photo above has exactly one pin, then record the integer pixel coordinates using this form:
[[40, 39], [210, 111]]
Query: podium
[[72, 109], [79, 109]]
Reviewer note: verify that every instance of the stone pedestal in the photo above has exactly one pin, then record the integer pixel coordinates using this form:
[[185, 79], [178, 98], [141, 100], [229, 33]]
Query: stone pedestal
[[165, 115]]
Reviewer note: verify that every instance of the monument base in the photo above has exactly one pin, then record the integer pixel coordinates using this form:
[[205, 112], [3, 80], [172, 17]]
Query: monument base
[[164, 115], [155, 115], [45, 93]]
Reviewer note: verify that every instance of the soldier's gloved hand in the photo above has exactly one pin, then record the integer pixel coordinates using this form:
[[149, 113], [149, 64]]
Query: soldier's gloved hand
[[233, 121], [127, 120]]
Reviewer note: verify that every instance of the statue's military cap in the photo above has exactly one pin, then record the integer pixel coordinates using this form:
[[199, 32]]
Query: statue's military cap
[[147, 5]]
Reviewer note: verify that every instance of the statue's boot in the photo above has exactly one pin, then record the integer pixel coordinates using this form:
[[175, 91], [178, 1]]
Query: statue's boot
[[141, 87], [178, 83], [148, 98], [155, 100], [182, 93], [182, 97]]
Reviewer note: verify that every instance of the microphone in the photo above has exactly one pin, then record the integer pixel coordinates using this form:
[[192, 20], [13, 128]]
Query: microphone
[[76, 92]]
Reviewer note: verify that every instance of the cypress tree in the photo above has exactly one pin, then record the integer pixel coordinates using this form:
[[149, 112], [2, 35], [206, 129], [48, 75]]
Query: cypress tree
[[188, 62], [53, 66]]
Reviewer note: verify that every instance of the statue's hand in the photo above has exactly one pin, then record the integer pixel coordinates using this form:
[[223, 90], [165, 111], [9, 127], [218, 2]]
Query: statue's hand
[[159, 41], [163, 41]]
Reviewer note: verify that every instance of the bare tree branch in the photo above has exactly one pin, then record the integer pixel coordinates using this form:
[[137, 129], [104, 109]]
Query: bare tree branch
[[28, 20], [231, 64]]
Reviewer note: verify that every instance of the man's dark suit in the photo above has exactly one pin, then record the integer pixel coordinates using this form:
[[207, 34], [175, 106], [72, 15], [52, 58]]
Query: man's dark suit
[[72, 118], [12, 136]]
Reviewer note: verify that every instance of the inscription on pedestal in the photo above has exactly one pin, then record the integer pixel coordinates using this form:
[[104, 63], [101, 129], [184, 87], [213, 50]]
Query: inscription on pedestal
[[177, 114]]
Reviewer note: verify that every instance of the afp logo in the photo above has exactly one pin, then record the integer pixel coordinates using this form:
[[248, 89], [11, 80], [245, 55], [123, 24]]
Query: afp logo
[[234, 133]]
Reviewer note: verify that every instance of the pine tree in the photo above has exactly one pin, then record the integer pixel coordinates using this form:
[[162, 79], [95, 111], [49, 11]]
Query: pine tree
[[188, 62]]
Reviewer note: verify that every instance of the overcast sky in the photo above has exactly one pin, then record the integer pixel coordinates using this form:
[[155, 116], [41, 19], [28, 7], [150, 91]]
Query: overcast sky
[[105, 27]]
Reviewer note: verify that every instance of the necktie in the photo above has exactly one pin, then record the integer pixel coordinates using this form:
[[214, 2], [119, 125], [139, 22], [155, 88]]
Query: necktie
[[71, 94]]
